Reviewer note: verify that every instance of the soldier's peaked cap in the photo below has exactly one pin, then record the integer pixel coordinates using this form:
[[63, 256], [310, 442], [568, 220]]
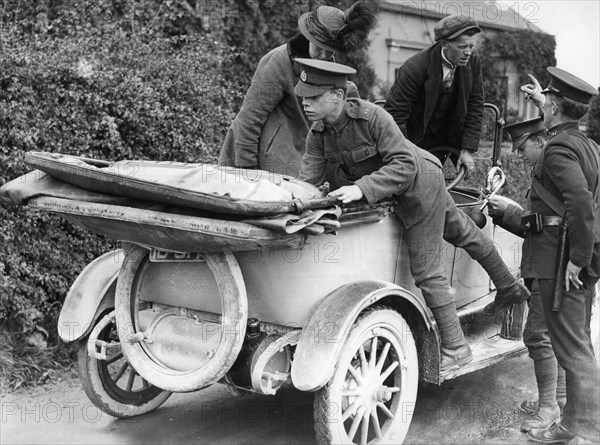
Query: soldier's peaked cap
[[567, 85], [318, 76], [521, 131]]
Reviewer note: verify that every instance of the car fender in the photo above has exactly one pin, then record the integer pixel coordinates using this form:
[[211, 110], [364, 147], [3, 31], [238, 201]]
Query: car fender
[[329, 325], [92, 292]]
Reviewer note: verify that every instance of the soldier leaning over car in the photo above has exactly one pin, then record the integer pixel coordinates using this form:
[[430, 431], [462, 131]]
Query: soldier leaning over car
[[357, 147]]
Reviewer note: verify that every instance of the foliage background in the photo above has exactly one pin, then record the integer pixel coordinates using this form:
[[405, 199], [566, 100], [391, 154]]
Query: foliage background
[[530, 51], [593, 123], [123, 79], [111, 79]]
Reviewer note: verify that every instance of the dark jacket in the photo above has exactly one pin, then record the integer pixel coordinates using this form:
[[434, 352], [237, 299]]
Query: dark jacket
[[271, 127], [366, 148], [569, 169], [413, 97]]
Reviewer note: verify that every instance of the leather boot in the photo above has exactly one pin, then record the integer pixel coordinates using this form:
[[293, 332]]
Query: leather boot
[[452, 359], [555, 434], [455, 350], [514, 294], [542, 419], [548, 411]]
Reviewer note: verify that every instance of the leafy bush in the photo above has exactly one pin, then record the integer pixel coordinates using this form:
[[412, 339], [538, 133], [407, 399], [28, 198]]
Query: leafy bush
[[593, 119], [103, 92]]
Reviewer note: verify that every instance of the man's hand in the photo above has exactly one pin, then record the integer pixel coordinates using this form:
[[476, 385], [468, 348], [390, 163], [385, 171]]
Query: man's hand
[[572, 275], [466, 158], [497, 206], [533, 91], [347, 193]]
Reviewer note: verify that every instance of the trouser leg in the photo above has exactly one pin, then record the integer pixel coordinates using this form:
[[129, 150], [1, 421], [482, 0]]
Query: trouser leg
[[570, 335], [561, 386], [461, 231], [424, 243], [537, 340]]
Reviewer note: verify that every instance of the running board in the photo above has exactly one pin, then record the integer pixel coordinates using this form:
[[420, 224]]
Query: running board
[[486, 353]]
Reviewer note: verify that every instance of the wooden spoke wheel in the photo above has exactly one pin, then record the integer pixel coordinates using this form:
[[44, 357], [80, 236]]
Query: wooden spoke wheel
[[372, 394], [112, 384]]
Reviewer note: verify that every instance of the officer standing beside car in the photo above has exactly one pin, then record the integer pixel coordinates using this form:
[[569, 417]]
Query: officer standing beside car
[[565, 184], [528, 140]]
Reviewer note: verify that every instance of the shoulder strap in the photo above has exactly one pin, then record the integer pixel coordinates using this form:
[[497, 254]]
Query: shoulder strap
[[549, 199]]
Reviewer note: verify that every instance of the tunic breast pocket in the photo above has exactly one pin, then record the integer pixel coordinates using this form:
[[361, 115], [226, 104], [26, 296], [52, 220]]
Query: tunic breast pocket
[[365, 160], [363, 153]]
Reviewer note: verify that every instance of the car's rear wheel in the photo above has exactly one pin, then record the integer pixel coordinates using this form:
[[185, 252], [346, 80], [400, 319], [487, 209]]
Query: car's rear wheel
[[112, 384], [372, 394]]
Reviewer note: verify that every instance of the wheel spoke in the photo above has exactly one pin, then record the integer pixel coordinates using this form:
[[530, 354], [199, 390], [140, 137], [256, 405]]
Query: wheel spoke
[[373, 355], [364, 434], [351, 410], [355, 374], [363, 360], [120, 372], [388, 371], [382, 357], [385, 410], [114, 358], [145, 384], [356, 422], [130, 380], [375, 422]]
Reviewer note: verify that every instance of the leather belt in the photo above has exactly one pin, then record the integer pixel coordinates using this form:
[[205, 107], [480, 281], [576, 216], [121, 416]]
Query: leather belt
[[551, 220]]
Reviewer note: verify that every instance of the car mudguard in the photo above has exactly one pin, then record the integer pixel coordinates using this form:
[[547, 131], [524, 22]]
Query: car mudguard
[[92, 292], [329, 325]]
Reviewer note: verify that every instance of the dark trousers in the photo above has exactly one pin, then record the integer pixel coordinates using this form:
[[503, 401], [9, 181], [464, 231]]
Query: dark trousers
[[535, 335], [424, 242], [461, 231], [569, 331]]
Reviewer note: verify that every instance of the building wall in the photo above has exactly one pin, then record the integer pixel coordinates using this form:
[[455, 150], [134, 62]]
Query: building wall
[[396, 38]]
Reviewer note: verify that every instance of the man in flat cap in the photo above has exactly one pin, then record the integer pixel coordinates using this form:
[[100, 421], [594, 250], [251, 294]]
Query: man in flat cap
[[565, 188], [528, 140], [357, 147], [437, 100], [437, 97]]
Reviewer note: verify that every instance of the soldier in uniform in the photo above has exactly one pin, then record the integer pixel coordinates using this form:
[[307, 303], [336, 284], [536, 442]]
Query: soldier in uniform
[[356, 147], [565, 185], [529, 138]]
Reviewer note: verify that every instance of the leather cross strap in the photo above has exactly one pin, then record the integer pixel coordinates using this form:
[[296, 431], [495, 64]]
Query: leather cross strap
[[549, 199]]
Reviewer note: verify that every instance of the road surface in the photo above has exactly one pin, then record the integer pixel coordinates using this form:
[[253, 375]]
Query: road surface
[[478, 408]]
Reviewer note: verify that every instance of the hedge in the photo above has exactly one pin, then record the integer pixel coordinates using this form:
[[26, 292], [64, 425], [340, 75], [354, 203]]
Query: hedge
[[104, 93]]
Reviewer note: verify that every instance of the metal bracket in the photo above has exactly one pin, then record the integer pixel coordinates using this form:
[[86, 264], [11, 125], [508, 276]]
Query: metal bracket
[[97, 348]]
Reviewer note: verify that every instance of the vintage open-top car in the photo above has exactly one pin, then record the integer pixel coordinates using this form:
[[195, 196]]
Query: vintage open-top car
[[213, 288]]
